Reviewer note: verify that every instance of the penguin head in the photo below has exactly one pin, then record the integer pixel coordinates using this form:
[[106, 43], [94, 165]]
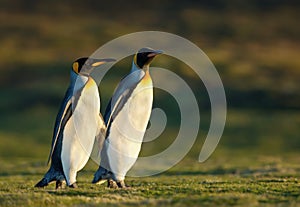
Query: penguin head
[[85, 65], [144, 57]]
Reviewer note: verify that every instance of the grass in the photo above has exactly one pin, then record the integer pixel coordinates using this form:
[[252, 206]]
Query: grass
[[269, 181], [258, 169]]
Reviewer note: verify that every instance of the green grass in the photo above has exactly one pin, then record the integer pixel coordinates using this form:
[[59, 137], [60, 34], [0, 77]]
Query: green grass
[[255, 164], [269, 181]]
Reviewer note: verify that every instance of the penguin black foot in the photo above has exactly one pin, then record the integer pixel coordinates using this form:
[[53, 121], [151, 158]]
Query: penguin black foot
[[111, 184], [74, 185], [121, 184], [59, 184], [44, 182]]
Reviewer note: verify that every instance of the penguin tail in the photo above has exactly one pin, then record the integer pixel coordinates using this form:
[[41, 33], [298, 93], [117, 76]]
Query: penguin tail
[[50, 176], [101, 175], [44, 182]]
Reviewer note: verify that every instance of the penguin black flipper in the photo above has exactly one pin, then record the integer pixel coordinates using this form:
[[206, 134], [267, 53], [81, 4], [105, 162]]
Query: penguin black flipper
[[99, 139], [120, 92], [121, 95], [64, 108], [107, 112], [58, 121]]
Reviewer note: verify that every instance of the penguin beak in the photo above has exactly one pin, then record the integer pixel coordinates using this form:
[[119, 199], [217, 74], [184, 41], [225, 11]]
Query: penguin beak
[[102, 61], [154, 53], [95, 63]]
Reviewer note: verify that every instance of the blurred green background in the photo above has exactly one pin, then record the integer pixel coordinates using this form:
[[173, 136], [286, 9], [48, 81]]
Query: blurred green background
[[254, 44]]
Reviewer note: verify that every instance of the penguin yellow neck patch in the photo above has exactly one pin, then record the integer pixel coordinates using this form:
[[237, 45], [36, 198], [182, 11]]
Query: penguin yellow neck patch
[[90, 83], [147, 78]]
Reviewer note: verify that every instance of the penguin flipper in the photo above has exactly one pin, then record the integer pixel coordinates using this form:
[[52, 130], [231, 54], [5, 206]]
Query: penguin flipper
[[63, 116], [107, 112], [99, 139], [62, 111], [59, 125], [121, 94]]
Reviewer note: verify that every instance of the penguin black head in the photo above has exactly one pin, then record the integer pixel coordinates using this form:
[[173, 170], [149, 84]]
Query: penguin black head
[[144, 56], [85, 65]]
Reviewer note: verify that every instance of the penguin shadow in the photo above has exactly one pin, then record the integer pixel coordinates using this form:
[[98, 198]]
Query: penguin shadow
[[72, 192], [226, 171], [64, 190], [215, 171], [84, 189]]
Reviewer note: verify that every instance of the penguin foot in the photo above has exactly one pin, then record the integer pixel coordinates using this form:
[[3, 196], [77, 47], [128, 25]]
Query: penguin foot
[[59, 184], [121, 184], [112, 184], [42, 183], [74, 185]]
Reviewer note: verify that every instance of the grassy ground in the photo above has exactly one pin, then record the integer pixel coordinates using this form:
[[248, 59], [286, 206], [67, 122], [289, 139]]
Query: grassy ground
[[269, 181], [257, 169]]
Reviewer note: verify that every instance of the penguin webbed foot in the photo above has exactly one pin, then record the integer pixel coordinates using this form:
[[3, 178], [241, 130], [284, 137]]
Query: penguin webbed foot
[[117, 184], [59, 184], [74, 185], [112, 184], [122, 184]]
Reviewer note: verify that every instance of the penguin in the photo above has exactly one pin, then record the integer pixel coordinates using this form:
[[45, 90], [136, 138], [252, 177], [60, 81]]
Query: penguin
[[78, 125], [126, 118]]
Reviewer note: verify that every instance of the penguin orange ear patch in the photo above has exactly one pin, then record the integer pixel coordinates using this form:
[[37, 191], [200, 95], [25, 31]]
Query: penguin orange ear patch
[[134, 59], [76, 67]]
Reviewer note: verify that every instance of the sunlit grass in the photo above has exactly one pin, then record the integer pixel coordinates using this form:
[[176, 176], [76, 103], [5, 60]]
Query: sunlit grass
[[255, 164], [207, 184]]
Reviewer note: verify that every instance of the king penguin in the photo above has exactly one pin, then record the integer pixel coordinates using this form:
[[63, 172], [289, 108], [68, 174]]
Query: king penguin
[[126, 118], [78, 125]]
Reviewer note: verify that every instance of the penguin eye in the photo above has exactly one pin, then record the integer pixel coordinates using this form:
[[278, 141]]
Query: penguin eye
[[76, 67]]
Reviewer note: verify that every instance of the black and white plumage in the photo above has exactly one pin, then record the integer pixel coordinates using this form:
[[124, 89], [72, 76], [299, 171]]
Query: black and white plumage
[[77, 125], [126, 117]]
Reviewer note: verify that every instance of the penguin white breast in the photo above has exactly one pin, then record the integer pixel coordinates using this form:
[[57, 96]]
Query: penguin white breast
[[139, 107], [128, 128], [80, 130], [131, 121], [86, 111]]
